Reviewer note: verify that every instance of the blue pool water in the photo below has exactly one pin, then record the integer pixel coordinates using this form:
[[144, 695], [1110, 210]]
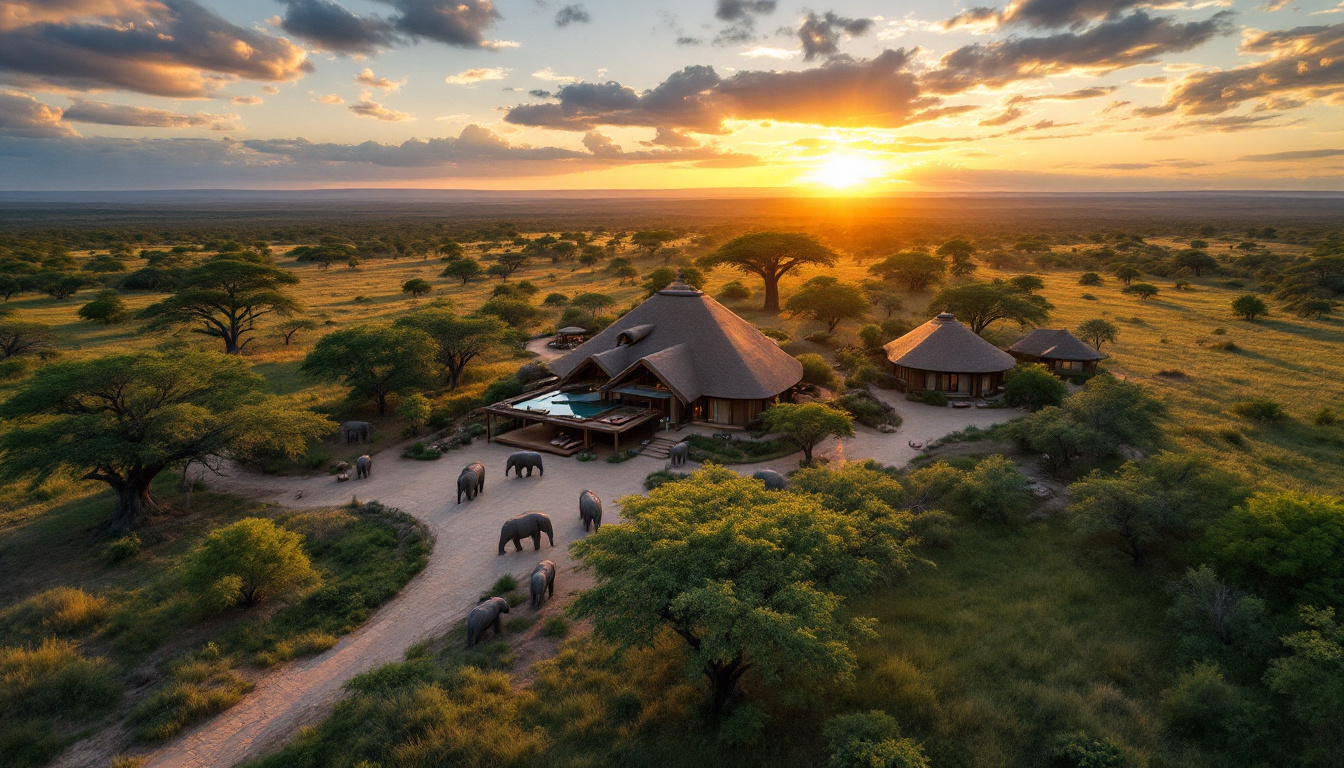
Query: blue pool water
[[557, 403]]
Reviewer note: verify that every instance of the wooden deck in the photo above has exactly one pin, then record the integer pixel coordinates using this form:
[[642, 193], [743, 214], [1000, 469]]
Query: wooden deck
[[536, 437]]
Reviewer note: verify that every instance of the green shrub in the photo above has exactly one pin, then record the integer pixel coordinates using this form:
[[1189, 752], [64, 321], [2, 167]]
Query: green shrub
[[421, 452], [247, 562], [1232, 436], [866, 409], [198, 687], [1225, 346], [622, 456], [57, 611], [1259, 409], [585, 456], [53, 679], [661, 477], [775, 333], [743, 726], [502, 586], [994, 490], [734, 291], [871, 337], [1082, 751], [1090, 278], [933, 397], [502, 389], [1286, 546], [817, 371], [870, 740], [556, 627], [1326, 417], [894, 327], [1204, 707], [820, 337], [1033, 386]]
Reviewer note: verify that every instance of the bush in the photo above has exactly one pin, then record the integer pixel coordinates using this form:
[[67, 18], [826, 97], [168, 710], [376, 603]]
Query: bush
[[1204, 707], [743, 726], [817, 371], [1326, 417], [421, 452], [247, 562], [1225, 346], [868, 410], [585, 456], [55, 679], [774, 333], [1090, 278], [819, 337], [1260, 409], [622, 456], [57, 611], [871, 740], [1286, 546], [556, 627], [502, 586], [1082, 751], [735, 291], [662, 477], [1033, 387], [198, 687], [1088, 297], [120, 549], [502, 389], [106, 308], [1249, 307], [995, 490], [871, 337], [933, 397]]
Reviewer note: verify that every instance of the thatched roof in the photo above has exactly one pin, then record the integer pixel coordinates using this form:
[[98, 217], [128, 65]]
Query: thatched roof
[[694, 344], [944, 345], [1058, 344]]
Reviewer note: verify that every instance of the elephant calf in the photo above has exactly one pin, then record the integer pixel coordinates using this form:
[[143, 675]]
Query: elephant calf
[[483, 617], [363, 465], [524, 459], [590, 510], [773, 480], [679, 453], [527, 524], [542, 582], [355, 430], [471, 481]]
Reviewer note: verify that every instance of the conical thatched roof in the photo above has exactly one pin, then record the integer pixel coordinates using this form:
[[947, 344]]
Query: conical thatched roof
[[1049, 344], [945, 345], [694, 344]]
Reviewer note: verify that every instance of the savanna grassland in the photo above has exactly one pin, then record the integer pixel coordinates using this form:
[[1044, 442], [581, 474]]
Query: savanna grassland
[[1002, 636]]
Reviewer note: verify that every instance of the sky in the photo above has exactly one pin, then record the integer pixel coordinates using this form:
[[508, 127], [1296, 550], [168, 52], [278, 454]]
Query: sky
[[859, 97]]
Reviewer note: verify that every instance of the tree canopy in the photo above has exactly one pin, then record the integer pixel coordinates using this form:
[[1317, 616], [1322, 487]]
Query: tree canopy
[[1249, 307], [827, 300], [23, 337], [980, 304], [913, 270], [375, 361], [1097, 332], [105, 308], [124, 418], [805, 425], [462, 269], [457, 340], [771, 255], [1286, 546], [248, 562], [223, 298], [751, 580], [650, 240]]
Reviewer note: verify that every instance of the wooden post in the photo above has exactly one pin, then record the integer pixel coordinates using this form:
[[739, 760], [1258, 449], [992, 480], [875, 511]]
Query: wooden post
[[489, 427], [617, 435]]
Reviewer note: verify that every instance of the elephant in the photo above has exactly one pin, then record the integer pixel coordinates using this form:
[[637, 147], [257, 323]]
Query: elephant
[[679, 453], [471, 481], [773, 480], [590, 510], [521, 459], [362, 466], [543, 582], [355, 430], [483, 617], [527, 524]]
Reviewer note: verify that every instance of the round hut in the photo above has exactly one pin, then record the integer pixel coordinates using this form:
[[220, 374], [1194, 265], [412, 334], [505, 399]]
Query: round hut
[[946, 356]]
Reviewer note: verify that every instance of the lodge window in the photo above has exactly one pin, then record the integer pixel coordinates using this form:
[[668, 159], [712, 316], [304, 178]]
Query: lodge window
[[1069, 365], [949, 382]]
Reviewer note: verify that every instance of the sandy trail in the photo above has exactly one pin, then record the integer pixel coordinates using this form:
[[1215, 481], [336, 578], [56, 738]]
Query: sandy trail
[[464, 562]]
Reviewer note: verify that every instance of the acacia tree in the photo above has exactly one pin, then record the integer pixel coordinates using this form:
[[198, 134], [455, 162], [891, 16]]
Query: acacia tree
[[417, 287], [1249, 307], [122, 419], [293, 325], [771, 255], [650, 240], [807, 424], [1098, 331], [457, 340], [913, 270], [980, 304], [883, 295], [375, 361], [21, 337], [249, 561], [825, 299], [1127, 273], [224, 298], [752, 580], [464, 269]]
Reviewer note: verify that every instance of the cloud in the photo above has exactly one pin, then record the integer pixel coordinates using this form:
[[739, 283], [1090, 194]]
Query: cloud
[[572, 14], [766, 52], [1049, 14], [1300, 154], [367, 79], [667, 137], [330, 98], [820, 35], [1111, 45], [367, 107], [737, 10], [103, 113], [175, 48], [331, 27], [1303, 61], [477, 75], [550, 76], [1003, 118], [247, 101], [877, 92], [23, 115]]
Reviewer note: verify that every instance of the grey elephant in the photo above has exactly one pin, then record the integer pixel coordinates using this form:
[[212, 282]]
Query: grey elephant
[[483, 617], [590, 510], [773, 480], [355, 430], [471, 481], [524, 459], [679, 453], [542, 582], [527, 524], [363, 465]]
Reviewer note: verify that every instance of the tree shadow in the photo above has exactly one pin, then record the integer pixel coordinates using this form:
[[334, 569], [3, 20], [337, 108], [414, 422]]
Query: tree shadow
[[1335, 334]]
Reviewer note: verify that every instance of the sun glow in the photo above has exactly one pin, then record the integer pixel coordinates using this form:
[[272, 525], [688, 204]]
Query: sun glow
[[845, 171]]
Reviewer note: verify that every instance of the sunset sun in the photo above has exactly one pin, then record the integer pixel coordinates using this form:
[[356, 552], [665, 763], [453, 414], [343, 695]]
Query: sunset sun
[[844, 171]]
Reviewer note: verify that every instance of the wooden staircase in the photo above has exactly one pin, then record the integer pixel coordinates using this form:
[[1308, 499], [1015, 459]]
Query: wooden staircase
[[658, 448]]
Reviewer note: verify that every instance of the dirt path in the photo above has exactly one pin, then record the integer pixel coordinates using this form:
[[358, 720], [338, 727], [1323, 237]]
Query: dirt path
[[463, 565]]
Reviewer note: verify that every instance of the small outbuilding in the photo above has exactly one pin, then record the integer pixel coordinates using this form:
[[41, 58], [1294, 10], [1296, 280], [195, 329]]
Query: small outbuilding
[[1058, 350], [948, 357]]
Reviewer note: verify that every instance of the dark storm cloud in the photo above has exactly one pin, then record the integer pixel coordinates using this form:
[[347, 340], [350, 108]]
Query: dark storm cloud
[[878, 92], [820, 35], [1048, 14], [333, 28], [102, 113], [1304, 61], [572, 14], [177, 48], [1111, 45], [23, 115], [737, 10]]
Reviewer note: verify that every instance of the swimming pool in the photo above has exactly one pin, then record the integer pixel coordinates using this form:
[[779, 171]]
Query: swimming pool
[[556, 403]]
